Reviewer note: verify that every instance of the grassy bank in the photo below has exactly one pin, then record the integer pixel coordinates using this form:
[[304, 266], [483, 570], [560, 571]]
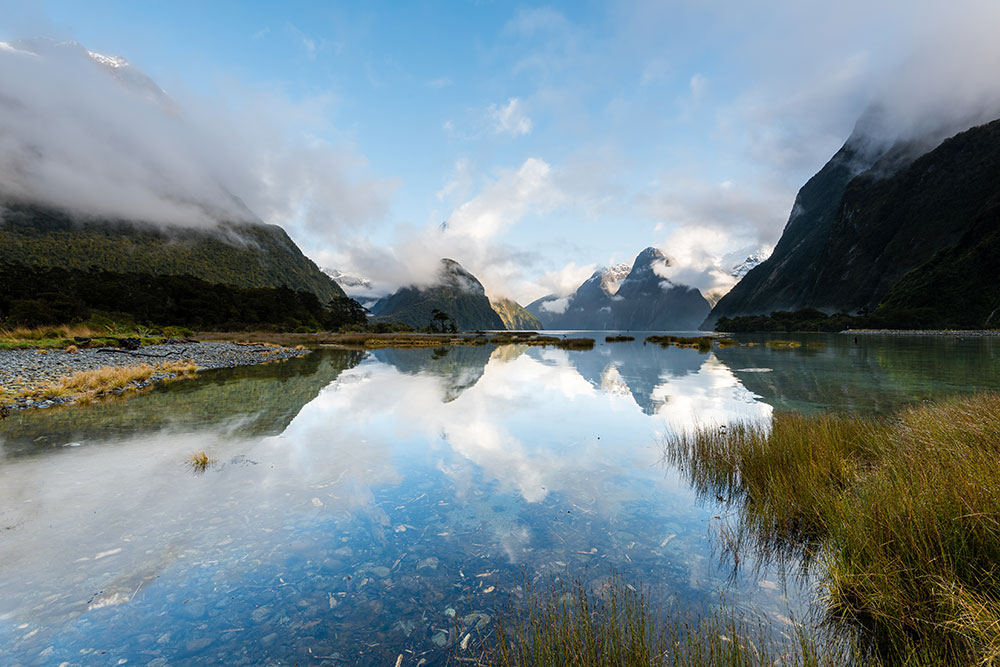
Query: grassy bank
[[84, 335], [901, 515]]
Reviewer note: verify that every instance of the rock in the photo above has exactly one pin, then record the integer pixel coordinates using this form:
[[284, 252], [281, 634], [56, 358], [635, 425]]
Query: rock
[[195, 609], [440, 639], [431, 562], [476, 620], [379, 571], [260, 614], [199, 644]]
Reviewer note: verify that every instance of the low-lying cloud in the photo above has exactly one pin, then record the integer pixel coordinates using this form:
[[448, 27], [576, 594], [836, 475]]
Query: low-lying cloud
[[93, 135]]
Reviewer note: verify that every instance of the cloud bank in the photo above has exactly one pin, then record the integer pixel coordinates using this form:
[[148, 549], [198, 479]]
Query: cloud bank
[[91, 134]]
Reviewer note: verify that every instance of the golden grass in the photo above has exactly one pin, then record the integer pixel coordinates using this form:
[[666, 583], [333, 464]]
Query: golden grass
[[100, 381], [199, 460], [72, 349], [901, 515], [619, 626], [783, 344]]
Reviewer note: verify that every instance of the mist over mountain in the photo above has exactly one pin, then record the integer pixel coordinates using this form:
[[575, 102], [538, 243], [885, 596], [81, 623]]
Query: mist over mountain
[[456, 292], [641, 300]]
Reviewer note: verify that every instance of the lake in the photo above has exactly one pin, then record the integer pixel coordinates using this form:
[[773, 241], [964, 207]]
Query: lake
[[366, 505]]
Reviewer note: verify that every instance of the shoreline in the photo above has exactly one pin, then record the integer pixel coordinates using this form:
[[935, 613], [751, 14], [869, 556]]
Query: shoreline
[[961, 333], [37, 378]]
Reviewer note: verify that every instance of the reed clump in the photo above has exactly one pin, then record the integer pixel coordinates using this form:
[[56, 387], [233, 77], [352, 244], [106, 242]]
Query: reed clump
[[700, 343], [901, 515], [199, 461], [618, 625], [618, 339], [778, 344]]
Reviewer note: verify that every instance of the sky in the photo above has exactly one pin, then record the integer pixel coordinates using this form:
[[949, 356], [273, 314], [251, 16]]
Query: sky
[[533, 143]]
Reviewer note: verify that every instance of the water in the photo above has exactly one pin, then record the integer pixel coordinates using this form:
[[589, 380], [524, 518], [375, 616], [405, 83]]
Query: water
[[368, 505]]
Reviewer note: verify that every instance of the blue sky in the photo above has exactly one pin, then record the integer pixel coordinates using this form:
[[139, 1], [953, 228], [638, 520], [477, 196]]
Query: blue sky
[[552, 138]]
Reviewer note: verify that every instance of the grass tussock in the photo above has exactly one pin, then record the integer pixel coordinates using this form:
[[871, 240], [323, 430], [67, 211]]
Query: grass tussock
[[901, 515], [700, 343], [779, 344], [199, 461], [619, 626], [618, 339]]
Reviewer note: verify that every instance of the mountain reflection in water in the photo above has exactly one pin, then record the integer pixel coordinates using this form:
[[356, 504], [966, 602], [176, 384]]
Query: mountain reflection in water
[[364, 505]]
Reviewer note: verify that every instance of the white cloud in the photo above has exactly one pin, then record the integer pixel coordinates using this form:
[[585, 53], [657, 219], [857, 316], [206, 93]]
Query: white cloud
[[472, 235], [566, 280], [440, 82], [510, 119], [557, 306]]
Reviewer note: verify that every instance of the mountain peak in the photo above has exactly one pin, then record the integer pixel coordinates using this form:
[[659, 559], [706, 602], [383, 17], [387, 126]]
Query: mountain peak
[[453, 274], [649, 255]]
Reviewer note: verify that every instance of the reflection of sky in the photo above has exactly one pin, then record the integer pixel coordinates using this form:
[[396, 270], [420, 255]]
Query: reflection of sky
[[538, 461]]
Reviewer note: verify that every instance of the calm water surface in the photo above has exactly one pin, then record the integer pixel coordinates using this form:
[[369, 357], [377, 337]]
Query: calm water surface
[[364, 505]]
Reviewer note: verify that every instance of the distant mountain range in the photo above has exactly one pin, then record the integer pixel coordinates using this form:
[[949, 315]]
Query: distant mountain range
[[635, 297], [908, 231]]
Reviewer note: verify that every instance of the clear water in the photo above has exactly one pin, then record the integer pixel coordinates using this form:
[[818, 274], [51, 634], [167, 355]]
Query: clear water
[[363, 506]]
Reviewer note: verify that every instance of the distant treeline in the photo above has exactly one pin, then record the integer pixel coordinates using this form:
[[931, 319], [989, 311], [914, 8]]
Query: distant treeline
[[810, 319], [39, 296]]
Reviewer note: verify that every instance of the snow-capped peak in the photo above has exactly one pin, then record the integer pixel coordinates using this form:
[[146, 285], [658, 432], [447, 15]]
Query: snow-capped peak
[[740, 269], [108, 61], [612, 276]]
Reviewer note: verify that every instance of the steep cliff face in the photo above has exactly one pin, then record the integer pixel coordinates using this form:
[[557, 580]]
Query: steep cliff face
[[514, 316], [869, 218], [456, 292], [642, 300]]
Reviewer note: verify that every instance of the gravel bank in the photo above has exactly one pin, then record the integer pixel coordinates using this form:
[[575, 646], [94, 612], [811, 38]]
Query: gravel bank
[[25, 370]]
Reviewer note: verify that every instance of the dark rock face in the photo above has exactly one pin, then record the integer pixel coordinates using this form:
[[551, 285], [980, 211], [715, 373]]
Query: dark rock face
[[643, 300], [873, 215], [456, 292]]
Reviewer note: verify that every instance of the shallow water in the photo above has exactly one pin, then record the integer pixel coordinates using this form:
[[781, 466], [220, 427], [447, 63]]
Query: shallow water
[[367, 505]]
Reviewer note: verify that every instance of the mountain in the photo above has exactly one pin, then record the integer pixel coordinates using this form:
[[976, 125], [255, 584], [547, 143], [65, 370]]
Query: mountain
[[640, 300], [82, 182], [242, 254], [514, 315], [742, 268], [455, 292], [906, 232]]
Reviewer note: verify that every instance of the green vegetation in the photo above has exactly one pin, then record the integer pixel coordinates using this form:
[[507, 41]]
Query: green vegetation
[[901, 515], [514, 315], [619, 626], [35, 296], [245, 255], [807, 319], [618, 339]]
